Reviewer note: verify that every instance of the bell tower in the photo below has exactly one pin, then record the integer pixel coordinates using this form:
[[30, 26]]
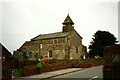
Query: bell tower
[[67, 24]]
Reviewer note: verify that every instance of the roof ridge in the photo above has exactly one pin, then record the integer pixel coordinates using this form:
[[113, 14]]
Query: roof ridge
[[50, 35]]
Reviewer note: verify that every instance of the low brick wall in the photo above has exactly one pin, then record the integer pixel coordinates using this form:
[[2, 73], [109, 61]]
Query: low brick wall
[[57, 65], [28, 70], [87, 63], [32, 70]]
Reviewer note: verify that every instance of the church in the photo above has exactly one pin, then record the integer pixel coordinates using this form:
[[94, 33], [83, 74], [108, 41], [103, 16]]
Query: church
[[66, 44]]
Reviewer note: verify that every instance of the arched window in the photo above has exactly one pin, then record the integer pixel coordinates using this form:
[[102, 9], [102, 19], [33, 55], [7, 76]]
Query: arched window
[[50, 53], [76, 49]]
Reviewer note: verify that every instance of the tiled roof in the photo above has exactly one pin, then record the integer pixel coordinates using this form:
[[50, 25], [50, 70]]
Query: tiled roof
[[51, 35], [68, 20]]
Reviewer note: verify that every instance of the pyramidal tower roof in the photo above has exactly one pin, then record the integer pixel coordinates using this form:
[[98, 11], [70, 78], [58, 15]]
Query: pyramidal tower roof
[[68, 20]]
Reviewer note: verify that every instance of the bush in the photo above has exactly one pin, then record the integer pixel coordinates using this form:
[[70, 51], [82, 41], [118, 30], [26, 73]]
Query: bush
[[45, 60], [17, 73]]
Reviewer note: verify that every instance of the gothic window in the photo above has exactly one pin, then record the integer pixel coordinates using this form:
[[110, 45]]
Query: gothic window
[[50, 53], [76, 49], [45, 41], [65, 50], [61, 40], [36, 55], [55, 41], [50, 42]]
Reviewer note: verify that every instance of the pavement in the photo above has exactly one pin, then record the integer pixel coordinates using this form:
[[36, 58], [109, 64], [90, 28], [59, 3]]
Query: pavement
[[92, 73], [51, 74]]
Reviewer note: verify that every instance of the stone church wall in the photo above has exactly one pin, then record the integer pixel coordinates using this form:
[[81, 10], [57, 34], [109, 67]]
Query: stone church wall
[[76, 45], [57, 48]]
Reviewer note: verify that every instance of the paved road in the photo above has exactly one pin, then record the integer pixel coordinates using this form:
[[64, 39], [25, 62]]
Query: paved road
[[94, 73], [48, 75]]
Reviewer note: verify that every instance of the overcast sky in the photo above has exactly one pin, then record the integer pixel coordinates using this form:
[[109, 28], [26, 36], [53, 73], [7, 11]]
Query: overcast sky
[[22, 20]]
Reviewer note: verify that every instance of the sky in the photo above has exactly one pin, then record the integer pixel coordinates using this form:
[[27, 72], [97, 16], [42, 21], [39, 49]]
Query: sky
[[22, 20]]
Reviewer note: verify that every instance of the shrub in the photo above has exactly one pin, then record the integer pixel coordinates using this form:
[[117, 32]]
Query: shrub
[[45, 60], [17, 73]]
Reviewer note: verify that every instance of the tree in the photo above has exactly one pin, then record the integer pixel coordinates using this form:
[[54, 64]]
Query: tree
[[100, 40]]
